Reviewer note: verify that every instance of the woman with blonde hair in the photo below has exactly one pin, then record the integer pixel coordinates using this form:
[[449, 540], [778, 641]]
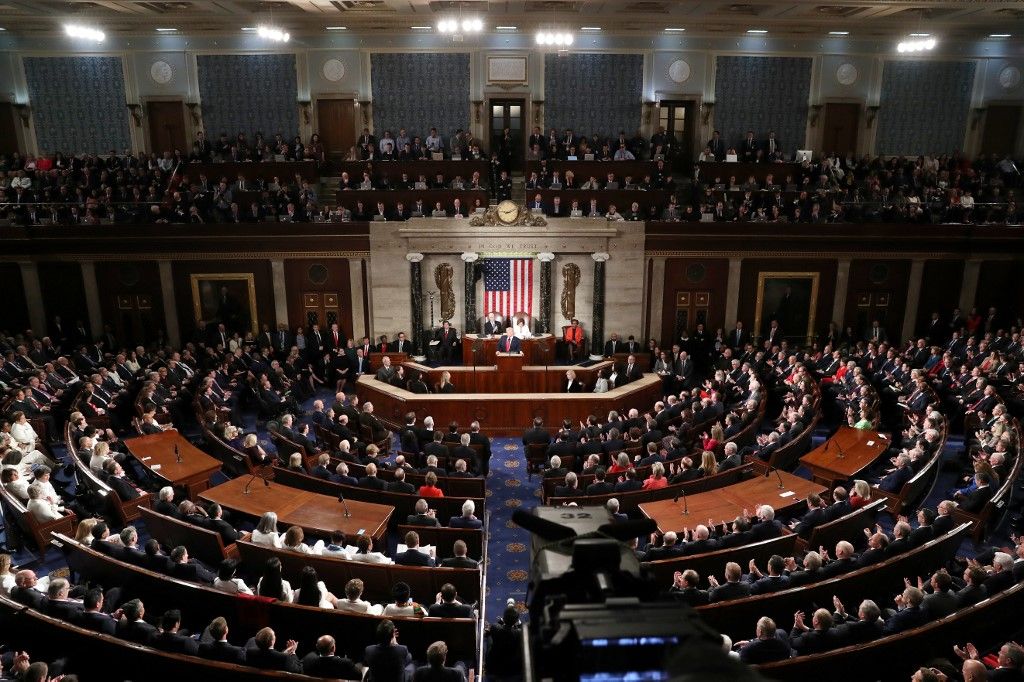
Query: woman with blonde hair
[[708, 463], [83, 534], [861, 494], [657, 478], [715, 439], [6, 575]]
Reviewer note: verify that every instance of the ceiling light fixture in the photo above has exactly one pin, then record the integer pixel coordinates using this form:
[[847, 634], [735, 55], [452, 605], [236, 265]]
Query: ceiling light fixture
[[757, 31], [999, 35], [78, 31], [839, 33], [420, 28], [590, 28], [166, 30], [273, 33], [912, 46], [335, 28], [919, 35], [248, 29], [557, 39], [674, 30], [467, 25], [506, 28]]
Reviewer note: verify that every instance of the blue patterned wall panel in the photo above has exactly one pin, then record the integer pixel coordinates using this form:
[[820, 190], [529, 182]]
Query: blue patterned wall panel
[[594, 94], [419, 91], [924, 107], [762, 94], [78, 104], [249, 93]]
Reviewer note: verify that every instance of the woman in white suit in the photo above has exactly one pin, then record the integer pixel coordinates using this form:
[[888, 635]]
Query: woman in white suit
[[522, 328]]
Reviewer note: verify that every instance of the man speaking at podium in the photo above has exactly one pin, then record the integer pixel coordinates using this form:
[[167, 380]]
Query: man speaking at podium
[[508, 343]]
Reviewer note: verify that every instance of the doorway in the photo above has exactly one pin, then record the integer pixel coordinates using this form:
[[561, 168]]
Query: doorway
[[135, 317], [166, 126], [1002, 122], [692, 308], [839, 130], [510, 114], [677, 118], [8, 129], [336, 125], [323, 309]]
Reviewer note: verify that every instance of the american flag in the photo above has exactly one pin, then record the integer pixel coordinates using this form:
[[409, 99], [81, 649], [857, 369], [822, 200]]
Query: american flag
[[508, 286]]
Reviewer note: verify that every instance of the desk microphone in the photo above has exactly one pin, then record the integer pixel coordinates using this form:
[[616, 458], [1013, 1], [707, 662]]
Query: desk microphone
[[682, 493], [768, 472], [341, 498], [177, 454]]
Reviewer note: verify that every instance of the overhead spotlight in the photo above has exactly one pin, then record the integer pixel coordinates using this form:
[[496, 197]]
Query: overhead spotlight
[[912, 46], [272, 33], [77, 31], [558, 38], [467, 25]]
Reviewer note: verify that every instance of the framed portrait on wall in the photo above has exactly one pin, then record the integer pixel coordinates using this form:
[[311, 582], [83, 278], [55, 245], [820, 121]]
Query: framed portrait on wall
[[791, 299], [225, 297]]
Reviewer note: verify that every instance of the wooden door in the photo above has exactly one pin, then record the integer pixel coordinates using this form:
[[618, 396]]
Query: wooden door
[[692, 308], [167, 126], [509, 114], [677, 118], [1002, 122], [324, 309], [336, 124], [841, 122], [135, 317], [8, 129]]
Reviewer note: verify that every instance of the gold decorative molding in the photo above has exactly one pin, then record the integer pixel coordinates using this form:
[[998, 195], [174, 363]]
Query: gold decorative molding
[[888, 255], [183, 256]]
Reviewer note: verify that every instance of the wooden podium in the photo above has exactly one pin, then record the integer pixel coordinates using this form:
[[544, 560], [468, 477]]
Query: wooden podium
[[377, 359], [509, 362]]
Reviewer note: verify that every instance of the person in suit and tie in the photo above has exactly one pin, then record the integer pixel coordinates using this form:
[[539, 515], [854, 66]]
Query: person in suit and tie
[[401, 344], [738, 337], [448, 340], [493, 326], [631, 372], [388, 660], [749, 147], [413, 555], [509, 343], [772, 147], [612, 346], [717, 146]]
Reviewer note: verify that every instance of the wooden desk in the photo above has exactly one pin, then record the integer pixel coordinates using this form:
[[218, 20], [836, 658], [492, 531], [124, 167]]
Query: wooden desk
[[311, 511], [506, 414], [491, 379], [350, 198], [533, 349], [507, 363], [194, 471], [709, 170], [725, 504], [393, 169], [844, 455], [622, 198], [284, 171], [599, 169], [377, 359]]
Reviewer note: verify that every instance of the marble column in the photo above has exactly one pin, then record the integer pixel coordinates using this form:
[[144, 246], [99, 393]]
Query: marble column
[[469, 258], [545, 291], [657, 302], [355, 281], [34, 298], [913, 298], [280, 292], [597, 333], [732, 294], [416, 294], [969, 289], [839, 303], [170, 303], [92, 298]]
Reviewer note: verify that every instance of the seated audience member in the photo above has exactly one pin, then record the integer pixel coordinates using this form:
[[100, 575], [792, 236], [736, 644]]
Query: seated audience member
[[413, 555], [354, 602], [264, 655], [387, 660], [460, 560], [448, 606], [403, 604], [437, 654], [468, 519], [324, 661]]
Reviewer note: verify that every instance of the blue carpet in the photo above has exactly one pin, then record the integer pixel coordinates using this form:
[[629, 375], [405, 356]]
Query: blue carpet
[[508, 545]]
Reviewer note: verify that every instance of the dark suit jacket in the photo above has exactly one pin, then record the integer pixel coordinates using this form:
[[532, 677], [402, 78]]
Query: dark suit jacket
[[421, 520], [908, 618], [444, 610], [428, 673], [459, 562], [387, 662], [413, 557], [222, 651], [334, 667], [98, 621], [271, 659], [506, 345], [175, 643], [461, 522], [123, 489], [764, 651]]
